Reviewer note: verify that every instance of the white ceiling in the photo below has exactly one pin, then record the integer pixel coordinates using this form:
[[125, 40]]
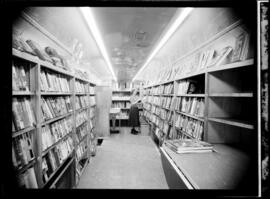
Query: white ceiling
[[129, 34]]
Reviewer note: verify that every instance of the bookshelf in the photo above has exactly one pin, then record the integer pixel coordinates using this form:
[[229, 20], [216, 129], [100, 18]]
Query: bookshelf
[[215, 103], [121, 99], [52, 125]]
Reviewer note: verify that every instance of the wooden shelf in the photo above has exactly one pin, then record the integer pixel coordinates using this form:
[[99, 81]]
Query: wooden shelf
[[56, 118], [81, 79], [58, 168], [25, 56], [169, 95], [218, 167], [54, 93], [233, 122], [18, 93], [192, 116], [190, 95], [83, 138], [121, 99], [62, 172], [82, 156], [231, 95], [36, 66], [27, 166], [50, 66], [22, 131], [231, 65], [84, 167], [121, 91], [78, 93], [54, 144], [81, 124], [81, 109]]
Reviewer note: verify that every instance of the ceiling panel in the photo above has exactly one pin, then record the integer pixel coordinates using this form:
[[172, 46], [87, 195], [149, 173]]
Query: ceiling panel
[[129, 35]]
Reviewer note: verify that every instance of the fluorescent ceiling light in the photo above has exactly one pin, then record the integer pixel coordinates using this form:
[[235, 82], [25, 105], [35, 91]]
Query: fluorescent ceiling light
[[89, 18], [172, 29]]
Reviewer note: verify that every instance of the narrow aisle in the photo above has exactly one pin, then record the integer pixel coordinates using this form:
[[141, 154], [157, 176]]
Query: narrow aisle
[[125, 161]]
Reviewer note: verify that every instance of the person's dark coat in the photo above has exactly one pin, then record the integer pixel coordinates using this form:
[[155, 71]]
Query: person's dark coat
[[134, 120]]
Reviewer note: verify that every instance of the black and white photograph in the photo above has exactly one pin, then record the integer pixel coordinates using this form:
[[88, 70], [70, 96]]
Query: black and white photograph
[[161, 97]]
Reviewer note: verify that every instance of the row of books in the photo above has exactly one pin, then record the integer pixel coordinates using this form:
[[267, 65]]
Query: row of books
[[191, 105], [120, 94], [54, 132], [189, 146], [82, 147], [55, 157], [82, 74], [22, 150], [92, 100], [155, 91], [27, 179], [121, 105], [81, 102], [81, 131], [190, 126], [81, 87], [207, 58], [167, 89], [53, 82], [52, 107], [165, 102], [189, 87], [20, 77], [81, 117], [162, 113], [23, 114]]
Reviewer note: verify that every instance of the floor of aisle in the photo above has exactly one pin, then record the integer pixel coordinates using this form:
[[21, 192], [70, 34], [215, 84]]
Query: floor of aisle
[[125, 161]]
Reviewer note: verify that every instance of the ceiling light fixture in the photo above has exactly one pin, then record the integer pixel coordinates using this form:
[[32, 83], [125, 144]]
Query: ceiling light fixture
[[183, 14], [89, 18]]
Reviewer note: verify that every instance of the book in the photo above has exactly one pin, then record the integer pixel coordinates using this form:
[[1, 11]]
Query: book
[[38, 50], [224, 57], [240, 41], [22, 150], [189, 146], [22, 113], [27, 179]]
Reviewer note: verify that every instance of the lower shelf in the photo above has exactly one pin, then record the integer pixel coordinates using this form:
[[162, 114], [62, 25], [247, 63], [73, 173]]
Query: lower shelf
[[227, 168]]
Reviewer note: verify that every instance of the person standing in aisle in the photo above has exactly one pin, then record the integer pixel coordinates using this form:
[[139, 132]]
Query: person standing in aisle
[[134, 118]]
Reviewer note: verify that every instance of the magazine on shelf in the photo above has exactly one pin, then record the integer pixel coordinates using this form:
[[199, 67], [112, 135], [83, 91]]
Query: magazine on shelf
[[189, 146]]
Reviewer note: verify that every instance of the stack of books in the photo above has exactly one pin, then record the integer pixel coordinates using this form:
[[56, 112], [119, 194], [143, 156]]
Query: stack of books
[[189, 146]]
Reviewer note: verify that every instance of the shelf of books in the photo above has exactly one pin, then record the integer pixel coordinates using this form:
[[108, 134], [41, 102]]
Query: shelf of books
[[208, 97], [121, 99], [52, 113]]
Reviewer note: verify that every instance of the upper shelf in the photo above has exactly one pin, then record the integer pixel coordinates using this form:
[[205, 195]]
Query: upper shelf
[[211, 69], [36, 60]]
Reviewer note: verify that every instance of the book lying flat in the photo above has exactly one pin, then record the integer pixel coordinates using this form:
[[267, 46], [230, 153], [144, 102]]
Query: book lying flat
[[189, 145]]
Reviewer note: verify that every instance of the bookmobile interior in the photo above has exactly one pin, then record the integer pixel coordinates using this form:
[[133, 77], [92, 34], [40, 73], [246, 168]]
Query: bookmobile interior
[[80, 75]]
